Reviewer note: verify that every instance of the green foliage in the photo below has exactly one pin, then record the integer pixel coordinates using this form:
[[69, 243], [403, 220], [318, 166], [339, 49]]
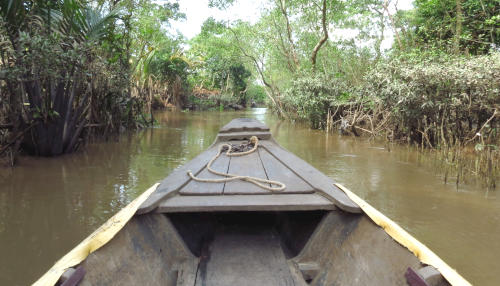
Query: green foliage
[[167, 67], [120, 59], [202, 103], [67, 65], [218, 62], [239, 74], [256, 93], [458, 94], [221, 4], [437, 22], [224, 101], [312, 95]]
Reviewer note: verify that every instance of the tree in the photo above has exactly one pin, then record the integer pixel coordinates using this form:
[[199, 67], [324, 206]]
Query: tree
[[219, 61], [52, 44], [459, 26], [66, 69]]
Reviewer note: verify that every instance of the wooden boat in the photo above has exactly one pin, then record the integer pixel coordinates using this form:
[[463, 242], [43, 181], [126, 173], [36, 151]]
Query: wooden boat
[[188, 231]]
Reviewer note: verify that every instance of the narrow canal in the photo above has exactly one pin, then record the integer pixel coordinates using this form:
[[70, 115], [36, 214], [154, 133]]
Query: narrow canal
[[48, 205]]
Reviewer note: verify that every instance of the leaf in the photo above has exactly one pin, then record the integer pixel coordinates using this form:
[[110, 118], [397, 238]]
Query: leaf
[[479, 147]]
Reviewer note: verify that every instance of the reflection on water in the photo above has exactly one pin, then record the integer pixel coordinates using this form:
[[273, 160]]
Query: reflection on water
[[48, 205]]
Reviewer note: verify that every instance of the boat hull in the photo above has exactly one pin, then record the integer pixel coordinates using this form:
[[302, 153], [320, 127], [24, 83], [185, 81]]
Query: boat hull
[[232, 232], [251, 248]]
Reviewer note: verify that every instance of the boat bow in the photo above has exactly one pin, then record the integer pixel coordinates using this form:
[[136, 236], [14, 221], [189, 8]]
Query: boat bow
[[306, 187]]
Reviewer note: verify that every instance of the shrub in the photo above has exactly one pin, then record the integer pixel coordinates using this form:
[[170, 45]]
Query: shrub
[[447, 102], [312, 95]]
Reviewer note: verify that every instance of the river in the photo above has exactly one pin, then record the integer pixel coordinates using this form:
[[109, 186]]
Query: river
[[48, 205]]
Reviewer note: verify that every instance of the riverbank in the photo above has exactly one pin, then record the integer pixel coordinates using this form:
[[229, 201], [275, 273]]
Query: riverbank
[[216, 101], [476, 165], [448, 105]]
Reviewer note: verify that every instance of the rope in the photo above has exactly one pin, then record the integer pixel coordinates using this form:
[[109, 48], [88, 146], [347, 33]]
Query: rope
[[232, 177]]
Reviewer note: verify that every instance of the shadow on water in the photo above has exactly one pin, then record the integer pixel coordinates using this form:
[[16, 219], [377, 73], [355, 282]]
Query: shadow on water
[[48, 205]]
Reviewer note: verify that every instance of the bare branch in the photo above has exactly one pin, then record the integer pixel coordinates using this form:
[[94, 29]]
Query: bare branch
[[393, 23]]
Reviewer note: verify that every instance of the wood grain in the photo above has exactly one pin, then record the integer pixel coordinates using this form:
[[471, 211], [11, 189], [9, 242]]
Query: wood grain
[[245, 258], [177, 179], [319, 181], [276, 171], [290, 202], [197, 188], [248, 165], [243, 124]]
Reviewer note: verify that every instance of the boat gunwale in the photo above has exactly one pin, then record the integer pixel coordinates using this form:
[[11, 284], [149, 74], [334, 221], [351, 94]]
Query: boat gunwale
[[94, 241]]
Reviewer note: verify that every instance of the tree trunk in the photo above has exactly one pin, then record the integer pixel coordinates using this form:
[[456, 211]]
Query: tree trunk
[[378, 43], [458, 29], [393, 24], [323, 39], [292, 52]]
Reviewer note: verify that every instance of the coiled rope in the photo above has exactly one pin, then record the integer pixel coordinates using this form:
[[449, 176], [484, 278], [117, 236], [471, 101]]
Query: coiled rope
[[231, 177]]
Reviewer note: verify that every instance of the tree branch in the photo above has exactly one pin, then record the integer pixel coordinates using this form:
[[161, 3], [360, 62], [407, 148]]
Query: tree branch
[[282, 4], [323, 39]]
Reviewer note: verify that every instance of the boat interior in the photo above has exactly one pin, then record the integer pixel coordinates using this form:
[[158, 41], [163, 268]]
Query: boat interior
[[252, 248], [233, 233]]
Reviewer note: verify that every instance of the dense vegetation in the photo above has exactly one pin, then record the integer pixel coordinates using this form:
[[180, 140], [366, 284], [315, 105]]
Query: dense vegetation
[[73, 69], [437, 86], [69, 70]]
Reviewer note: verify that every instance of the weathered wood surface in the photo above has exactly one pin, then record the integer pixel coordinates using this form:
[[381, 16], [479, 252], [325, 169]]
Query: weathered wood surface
[[248, 165], [297, 275], [274, 202], [413, 279], [270, 162], [244, 124], [350, 249], [196, 188], [147, 251], [425, 276], [248, 257], [319, 181], [75, 277], [276, 171], [243, 136], [177, 179]]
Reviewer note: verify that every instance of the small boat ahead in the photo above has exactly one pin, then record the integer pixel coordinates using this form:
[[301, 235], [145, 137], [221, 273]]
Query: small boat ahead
[[249, 213]]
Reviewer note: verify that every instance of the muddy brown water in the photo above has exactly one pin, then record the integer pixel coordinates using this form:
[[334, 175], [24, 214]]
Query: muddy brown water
[[48, 205]]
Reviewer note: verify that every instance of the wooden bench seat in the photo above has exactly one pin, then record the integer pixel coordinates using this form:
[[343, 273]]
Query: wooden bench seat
[[273, 202]]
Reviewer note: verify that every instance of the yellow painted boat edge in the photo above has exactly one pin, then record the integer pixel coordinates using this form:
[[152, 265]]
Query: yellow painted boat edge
[[97, 239], [421, 251]]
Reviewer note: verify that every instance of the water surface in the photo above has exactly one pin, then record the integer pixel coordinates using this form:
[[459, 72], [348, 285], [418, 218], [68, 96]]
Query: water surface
[[48, 205]]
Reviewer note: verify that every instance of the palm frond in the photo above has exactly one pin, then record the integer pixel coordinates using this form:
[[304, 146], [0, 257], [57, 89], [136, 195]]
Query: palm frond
[[96, 22]]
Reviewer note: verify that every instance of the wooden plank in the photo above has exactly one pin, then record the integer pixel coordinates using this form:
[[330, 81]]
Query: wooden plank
[[196, 188], [276, 171], [298, 277], [243, 135], [244, 124], [248, 165], [432, 276], [75, 277], [312, 176], [290, 202], [246, 257], [177, 179], [309, 270], [414, 279]]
